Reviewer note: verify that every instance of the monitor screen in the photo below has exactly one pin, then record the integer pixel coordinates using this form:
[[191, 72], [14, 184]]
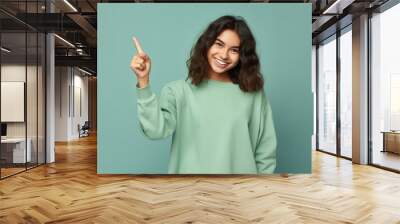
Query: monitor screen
[[3, 129]]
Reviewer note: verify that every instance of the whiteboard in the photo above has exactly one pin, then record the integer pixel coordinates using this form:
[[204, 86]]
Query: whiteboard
[[12, 101]]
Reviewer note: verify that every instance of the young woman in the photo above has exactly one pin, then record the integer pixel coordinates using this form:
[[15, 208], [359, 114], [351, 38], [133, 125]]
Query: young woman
[[220, 118]]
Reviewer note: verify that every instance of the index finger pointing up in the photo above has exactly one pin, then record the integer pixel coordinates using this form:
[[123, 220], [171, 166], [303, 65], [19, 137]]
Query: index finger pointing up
[[137, 45]]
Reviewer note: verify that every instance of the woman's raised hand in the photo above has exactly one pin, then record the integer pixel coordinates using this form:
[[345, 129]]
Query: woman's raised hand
[[140, 64]]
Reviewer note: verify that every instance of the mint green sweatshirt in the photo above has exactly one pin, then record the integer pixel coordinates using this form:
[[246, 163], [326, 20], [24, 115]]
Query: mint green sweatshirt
[[216, 128]]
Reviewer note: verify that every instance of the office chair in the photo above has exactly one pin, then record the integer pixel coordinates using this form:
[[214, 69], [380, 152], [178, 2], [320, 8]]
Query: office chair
[[84, 130]]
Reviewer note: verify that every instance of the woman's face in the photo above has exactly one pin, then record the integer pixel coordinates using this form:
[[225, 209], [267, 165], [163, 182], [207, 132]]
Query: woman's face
[[223, 55]]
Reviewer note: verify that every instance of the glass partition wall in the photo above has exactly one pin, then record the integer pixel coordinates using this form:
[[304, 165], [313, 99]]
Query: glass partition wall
[[385, 89], [13, 89], [346, 92], [22, 88], [334, 86], [327, 95], [334, 83]]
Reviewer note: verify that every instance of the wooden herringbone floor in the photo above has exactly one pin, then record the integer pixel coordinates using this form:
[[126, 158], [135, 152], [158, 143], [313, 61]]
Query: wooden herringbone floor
[[70, 191]]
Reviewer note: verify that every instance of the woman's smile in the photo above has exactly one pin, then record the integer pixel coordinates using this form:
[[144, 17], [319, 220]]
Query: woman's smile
[[221, 63]]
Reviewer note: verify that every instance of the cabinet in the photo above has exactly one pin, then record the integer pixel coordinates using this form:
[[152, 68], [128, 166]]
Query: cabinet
[[391, 141], [13, 150]]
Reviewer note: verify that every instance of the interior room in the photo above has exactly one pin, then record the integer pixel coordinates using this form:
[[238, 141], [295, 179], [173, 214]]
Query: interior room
[[49, 126]]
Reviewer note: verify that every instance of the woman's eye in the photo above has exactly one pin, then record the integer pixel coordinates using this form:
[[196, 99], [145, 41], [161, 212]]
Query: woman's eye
[[236, 51], [218, 44]]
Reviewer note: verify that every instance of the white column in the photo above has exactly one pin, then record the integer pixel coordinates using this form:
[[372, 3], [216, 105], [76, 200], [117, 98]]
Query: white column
[[50, 108], [50, 84]]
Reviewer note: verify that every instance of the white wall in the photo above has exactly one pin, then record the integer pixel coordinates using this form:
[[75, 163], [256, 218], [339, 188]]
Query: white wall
[[62, 81], [16, 72], [71, 102], [80, 110]]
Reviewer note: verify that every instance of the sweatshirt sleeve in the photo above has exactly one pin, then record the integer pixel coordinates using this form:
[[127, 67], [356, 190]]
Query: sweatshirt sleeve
[[265, 152], [157, 116]]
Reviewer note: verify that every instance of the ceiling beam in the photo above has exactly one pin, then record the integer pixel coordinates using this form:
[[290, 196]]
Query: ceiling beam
[[85, 61], [86, 26]]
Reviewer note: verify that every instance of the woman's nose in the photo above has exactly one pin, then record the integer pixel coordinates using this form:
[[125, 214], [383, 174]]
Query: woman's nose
[[224, 53]]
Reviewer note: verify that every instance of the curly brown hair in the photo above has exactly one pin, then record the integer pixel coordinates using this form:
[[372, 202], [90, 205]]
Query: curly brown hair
[[246, 73]]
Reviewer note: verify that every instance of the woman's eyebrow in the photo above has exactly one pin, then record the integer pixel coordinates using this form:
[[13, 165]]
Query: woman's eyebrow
[[224, 43], [219, 40]]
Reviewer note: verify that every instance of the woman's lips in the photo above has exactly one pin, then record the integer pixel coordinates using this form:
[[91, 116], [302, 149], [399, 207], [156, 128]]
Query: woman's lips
[[221, 63]]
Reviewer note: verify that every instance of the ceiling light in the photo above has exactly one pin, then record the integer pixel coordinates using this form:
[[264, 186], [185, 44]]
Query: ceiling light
[[70, 5], [329, 9], [338, 6], [84, 71], [64, 40], [5, 50]]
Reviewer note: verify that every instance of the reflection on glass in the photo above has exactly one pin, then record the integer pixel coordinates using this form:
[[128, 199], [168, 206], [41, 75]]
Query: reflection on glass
[[22, 90], [386, 88], [327, 96], [41, 99], [395, 101], [14, 152], [346, 94], [31, 101]]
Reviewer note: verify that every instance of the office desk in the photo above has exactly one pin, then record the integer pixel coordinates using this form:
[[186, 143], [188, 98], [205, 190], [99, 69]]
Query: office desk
[[15, 148], [391, 141]]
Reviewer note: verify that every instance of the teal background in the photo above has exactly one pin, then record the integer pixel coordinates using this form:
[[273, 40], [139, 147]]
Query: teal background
[[167, 32]]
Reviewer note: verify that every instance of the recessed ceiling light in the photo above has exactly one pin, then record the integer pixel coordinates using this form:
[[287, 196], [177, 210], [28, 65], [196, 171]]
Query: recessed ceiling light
[[337, 7], [5, 50], [84, 71], [64, 40], [70, 5]]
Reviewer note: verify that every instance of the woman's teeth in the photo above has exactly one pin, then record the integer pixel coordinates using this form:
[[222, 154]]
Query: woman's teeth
[[221, 62]]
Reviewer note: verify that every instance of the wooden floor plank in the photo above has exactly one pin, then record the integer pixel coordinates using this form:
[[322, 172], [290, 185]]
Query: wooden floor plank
[[70, 191]]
